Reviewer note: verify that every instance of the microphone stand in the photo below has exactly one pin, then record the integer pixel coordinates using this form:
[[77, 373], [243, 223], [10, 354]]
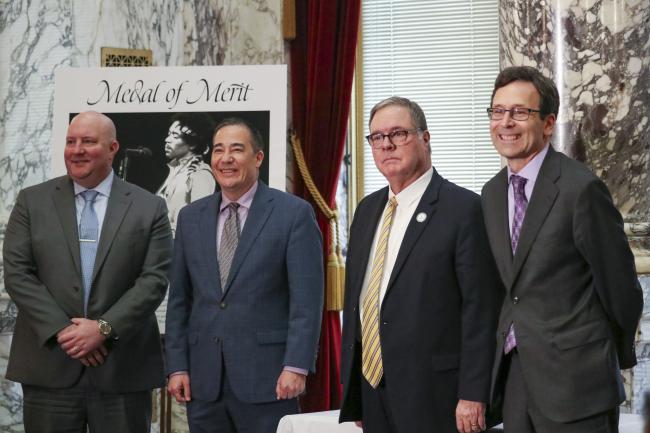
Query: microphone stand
[[135, 151], [124, 167]]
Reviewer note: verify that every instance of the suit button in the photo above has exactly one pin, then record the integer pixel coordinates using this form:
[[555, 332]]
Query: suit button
[[223, 305], [503, 334], [515, 300], [217, 339], [75, 288]]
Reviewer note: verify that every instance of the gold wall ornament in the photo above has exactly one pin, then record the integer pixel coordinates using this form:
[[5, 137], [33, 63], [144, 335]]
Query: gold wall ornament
[[289, 20], [120, 57]]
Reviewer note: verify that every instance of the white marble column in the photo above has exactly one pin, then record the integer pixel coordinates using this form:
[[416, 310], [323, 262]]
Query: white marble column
[[598, 53]]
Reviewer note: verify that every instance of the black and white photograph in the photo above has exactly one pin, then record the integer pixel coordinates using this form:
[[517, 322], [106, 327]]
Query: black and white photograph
[[168, 154]]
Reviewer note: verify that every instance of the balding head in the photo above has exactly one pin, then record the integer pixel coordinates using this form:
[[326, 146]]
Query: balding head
[[104, 123], [90, 148]]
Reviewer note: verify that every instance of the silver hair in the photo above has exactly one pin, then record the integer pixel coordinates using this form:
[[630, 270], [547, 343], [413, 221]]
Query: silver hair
[[417, 115]]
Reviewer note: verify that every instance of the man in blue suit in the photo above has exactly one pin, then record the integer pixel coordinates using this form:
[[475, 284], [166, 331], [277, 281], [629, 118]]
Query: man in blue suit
[[246, 294]]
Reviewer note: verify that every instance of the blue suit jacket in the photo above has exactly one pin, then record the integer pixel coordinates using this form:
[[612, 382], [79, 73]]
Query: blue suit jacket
[[269, 313]]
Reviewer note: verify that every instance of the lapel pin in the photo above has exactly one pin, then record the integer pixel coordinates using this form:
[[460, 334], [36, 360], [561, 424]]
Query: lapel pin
[[421, 217]]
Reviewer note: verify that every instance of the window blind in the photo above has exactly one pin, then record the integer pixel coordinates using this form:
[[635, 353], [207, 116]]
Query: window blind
[[444, 55]]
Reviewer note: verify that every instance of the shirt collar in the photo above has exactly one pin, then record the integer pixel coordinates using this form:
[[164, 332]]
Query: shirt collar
[[245, 200], [414, 191], [531, 170], [104, 187]]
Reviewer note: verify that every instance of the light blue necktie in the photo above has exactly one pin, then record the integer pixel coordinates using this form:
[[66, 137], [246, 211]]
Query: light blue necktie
[[88, 240]]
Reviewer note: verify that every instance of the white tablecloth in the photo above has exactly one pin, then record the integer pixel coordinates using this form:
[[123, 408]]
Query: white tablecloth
[[327, 422], [316, 422]]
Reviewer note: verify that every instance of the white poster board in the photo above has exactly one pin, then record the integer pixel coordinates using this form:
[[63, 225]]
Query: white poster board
[[166, 90], [143, 101]]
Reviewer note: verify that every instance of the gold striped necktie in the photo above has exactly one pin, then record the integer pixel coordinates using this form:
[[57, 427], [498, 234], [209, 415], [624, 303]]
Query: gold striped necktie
[[372, 367]]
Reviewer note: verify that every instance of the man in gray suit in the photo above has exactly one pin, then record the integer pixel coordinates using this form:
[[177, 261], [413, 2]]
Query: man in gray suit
[[573, 301], [86, 257], [246, 295]]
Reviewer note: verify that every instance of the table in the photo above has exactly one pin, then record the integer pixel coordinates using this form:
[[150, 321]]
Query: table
[[327, 422]]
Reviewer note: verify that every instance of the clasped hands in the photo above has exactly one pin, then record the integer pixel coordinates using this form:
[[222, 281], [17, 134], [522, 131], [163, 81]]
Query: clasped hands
[[82, 341]]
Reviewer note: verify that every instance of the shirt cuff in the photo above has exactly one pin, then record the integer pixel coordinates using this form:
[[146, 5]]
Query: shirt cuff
[[296, 370], [176, 373]]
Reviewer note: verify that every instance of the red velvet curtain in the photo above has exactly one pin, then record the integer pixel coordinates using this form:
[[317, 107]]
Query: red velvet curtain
[[322, 67]]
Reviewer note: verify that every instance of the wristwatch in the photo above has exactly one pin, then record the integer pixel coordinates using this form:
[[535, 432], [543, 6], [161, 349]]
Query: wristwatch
[[105, 328]]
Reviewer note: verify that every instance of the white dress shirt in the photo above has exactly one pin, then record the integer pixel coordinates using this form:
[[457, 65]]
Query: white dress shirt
[[407, 201]]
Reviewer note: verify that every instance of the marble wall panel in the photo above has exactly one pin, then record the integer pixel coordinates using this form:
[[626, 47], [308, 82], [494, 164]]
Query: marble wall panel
[[10, 394], [39, 36], [36, 38], [641, 373], [598, 53], [234, 32]]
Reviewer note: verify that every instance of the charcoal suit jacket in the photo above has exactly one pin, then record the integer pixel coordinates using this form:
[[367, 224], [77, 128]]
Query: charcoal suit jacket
[[42, 269], [571, 290]]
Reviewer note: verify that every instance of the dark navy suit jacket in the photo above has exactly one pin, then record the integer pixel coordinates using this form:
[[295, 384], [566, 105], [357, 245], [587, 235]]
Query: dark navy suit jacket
[[269, 313], [438, 315]]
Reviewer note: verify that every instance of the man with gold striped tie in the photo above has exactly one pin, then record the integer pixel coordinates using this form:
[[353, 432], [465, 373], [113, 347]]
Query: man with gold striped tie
[[422, 292]]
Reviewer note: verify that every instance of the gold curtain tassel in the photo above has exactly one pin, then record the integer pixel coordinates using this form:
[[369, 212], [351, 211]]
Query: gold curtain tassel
[[335, 275], [332, 281]]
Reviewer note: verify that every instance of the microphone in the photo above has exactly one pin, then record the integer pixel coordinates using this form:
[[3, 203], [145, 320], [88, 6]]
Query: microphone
[[138, 151]]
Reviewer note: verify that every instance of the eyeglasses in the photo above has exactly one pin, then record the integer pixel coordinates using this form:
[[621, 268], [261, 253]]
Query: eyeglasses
[[397, 137], [516, 113]]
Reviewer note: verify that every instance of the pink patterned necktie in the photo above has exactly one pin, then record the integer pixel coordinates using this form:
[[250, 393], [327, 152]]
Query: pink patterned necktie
[[521, 203], [229, 242]]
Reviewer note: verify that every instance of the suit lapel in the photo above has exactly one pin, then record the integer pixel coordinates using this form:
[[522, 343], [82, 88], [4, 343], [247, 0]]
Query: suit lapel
[[208, 219], [366, 234], [499, 210], [258, 214], [544, 194], [427, 206], [118, 204], [67, 212]]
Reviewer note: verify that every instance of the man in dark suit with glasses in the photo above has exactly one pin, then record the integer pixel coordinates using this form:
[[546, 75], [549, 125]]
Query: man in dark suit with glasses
[[422, 292]]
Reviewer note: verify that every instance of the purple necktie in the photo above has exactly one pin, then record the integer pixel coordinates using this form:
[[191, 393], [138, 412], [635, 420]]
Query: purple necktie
[[518, 188]]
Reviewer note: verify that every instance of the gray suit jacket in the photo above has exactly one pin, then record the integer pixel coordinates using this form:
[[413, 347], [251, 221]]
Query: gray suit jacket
[[269, 313], [571, 290], [43, 277]]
